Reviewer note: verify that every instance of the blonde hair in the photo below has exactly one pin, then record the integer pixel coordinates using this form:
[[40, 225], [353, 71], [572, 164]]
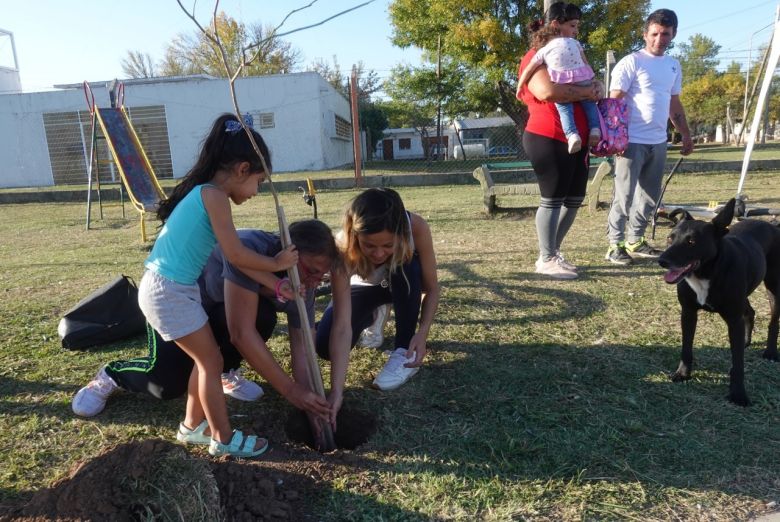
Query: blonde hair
[[372, 211]]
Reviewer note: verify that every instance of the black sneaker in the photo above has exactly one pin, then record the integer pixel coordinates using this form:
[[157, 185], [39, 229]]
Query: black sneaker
[[643, 249], [617, 254]]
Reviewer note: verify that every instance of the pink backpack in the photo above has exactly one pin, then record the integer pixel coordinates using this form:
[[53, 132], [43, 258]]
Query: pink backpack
[[613, 113]]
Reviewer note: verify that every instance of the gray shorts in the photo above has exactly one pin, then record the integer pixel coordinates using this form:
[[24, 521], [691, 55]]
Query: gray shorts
[[171, 308]]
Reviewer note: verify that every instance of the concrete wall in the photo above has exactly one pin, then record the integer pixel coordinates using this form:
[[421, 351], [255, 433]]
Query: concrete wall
[[303, 137]]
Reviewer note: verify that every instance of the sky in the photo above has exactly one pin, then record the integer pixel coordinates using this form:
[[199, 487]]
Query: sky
[[66, 42]]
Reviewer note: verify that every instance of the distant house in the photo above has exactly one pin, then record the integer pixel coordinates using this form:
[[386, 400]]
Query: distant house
[[408, 143], [400, 144], [477, 136], [45, 136]]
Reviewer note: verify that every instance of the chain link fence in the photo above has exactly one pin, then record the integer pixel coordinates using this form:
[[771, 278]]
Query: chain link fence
[[460, 146]]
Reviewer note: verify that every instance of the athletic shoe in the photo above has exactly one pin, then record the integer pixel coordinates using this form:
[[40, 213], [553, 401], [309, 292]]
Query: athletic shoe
[[562, 261], [643, 249], [394, 373], [594, 137], [235, 385], [374, 335], [617, 254], [554, 269], [91, 399], [575, 143]]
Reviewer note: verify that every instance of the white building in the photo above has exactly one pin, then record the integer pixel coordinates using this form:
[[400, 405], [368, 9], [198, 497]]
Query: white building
[[45, 136]]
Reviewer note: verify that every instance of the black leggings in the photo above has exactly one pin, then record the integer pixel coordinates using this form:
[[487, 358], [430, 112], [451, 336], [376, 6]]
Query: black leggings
[[560, 175], [404, 291], [165, 372]]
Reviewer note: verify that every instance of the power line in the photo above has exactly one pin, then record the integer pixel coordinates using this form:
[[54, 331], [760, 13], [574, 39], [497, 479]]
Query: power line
[[741, 11]]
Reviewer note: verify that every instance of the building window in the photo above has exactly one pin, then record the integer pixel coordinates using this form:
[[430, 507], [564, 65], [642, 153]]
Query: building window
[[266, 120], [405, 143], [69, 137], [343, 127]]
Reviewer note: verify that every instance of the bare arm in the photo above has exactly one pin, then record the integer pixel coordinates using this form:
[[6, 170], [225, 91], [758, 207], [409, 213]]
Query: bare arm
[[241, 311], [526, 74], [269, 280], [677, 116], [218, 208], [423, 243], [545, 90]]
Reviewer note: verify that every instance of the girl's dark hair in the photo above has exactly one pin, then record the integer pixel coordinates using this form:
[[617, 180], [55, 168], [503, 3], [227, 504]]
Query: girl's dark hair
[[541, 30], [562, 12], [313, 237], [221, 150], [376, 210]]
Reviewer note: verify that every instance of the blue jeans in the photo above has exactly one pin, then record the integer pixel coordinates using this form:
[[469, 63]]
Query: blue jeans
[[566, 112], [404, 292]]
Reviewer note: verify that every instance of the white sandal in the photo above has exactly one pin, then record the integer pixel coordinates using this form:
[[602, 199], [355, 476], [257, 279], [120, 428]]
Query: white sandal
[[196, 436]]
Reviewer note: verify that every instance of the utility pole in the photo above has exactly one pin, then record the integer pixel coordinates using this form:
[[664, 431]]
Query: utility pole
[[356, 145], [607, 70]]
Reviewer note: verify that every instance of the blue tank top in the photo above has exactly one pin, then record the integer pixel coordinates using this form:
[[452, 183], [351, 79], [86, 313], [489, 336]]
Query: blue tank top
[[185, 241]]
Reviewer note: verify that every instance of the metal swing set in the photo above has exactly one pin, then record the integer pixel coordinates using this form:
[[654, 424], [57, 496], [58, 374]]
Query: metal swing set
[[742, 209]]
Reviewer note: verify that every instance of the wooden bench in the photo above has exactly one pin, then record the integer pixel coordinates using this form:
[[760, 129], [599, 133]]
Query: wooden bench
[[492, 190]]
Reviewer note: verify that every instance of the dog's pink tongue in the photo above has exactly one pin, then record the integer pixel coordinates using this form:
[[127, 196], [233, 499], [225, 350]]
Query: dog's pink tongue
[[672, 276]]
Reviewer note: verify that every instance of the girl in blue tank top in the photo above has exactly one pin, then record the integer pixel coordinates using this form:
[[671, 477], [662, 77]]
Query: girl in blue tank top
[[195, 217]]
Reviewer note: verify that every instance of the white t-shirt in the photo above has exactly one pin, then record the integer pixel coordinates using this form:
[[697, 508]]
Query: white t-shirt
[[649, 82]]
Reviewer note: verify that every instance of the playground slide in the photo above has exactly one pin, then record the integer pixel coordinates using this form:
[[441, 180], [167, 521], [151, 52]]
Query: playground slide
[[136, 171]]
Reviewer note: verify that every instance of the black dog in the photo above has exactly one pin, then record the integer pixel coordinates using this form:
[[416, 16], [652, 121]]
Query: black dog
[[716, 268]]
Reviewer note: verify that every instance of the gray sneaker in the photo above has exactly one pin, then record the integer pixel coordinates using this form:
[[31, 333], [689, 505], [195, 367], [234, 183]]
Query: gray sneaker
[[643, 249], [617, 254]]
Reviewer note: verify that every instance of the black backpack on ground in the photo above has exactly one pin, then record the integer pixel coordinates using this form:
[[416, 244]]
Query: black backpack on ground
[[108, 314]]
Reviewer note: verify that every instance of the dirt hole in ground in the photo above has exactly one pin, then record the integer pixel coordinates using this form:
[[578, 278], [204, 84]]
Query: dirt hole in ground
[[353, 428], [159, 480]]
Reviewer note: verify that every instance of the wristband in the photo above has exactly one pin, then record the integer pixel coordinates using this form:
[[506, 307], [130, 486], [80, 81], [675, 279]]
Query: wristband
[[279, 283]]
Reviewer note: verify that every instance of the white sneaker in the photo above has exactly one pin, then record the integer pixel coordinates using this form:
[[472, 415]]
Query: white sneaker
[[554, 269], [374, 335], [394, 373], [575, 143], [562, 261], [91, 399], [235, 385]]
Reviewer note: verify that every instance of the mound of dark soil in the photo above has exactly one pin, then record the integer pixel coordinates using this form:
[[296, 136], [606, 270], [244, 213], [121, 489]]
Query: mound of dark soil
[[125, 484], [115, 485]]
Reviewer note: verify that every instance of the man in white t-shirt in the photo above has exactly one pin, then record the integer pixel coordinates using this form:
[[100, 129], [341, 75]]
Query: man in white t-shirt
[[650, 81]]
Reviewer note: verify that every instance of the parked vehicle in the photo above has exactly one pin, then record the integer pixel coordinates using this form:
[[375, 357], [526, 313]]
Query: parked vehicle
[[502, 150]]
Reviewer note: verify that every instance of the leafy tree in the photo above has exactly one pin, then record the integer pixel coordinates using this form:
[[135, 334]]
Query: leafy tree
[[371, 115], [368, 82], [698, 57], [485, 39], [138, 65], [332, 74], [195, 54]]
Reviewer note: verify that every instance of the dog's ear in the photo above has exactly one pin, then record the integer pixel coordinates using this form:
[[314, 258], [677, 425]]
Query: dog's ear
[[722, 219], [679, 214]]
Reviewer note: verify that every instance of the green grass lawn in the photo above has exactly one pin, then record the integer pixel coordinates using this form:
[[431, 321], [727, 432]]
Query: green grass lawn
[[541, 400]]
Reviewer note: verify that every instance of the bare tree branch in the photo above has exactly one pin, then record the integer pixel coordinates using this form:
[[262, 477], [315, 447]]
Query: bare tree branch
[[325, 435], [274, 35], [292, 13]]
